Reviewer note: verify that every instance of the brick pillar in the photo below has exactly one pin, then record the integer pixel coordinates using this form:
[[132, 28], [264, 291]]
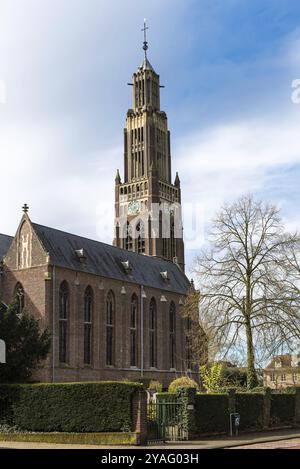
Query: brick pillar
[[188, 398], [297, 405], [231, 401], [267, 408], [139, 416]]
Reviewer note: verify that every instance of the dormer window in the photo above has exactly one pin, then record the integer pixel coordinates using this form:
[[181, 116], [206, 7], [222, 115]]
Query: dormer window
[[80, 253], [164, 275], [126, 266]]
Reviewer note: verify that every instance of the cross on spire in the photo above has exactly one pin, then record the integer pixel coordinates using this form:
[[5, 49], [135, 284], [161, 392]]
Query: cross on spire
[[145, 45], [25, 208]]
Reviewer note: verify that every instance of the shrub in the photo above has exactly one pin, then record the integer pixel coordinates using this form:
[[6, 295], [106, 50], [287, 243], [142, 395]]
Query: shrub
[[183, 382], [250, 406], [234, 377], [68, 407], [155, 386], [166, 396], [282, 408], [211, 413], [211, 376]]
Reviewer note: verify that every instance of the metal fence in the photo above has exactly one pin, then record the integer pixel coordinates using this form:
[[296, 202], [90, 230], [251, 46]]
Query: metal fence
[[165, 422]]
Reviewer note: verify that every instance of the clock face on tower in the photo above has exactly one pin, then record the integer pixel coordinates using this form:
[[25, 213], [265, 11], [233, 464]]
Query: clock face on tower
[[133, 207]]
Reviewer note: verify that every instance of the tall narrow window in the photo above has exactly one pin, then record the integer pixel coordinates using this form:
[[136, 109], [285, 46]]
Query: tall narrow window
[[63, 322], [141, 247], [172, 238], [88, 316], [172, 335], [128, 240], [133, 331], [19, 295], [110, 319], [153, 334]]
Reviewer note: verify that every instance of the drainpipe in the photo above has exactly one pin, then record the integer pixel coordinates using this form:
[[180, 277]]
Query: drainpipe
[[53, 323], [142, 331]]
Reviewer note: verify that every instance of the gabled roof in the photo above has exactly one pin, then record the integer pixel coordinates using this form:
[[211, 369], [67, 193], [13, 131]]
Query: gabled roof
[[106, 260], [5, 242], [285, 361]]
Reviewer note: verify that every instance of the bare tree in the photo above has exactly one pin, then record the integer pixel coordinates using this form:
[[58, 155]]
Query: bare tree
[[196, 340], [247, 294]]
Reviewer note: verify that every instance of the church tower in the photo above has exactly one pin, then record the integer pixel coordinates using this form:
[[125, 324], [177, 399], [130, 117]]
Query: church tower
[[147, 204]]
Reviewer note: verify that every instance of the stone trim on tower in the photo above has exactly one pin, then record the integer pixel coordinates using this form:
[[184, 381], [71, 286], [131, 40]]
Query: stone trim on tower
[[147, 194]]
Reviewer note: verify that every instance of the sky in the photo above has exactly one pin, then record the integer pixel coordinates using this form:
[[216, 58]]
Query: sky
[[227, 66]]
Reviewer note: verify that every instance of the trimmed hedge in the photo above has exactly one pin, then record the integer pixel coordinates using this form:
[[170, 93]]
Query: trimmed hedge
[[250, 406], [282, 408], [166, 397], [69, 407], [211, 413]]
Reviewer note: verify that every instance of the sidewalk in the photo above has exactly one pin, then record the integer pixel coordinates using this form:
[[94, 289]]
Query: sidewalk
[[205, 443]]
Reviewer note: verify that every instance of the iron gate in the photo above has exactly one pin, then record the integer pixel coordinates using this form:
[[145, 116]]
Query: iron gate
[[165, 422]]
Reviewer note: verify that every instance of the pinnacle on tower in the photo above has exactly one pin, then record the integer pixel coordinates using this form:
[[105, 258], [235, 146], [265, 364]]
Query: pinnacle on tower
[[118, 178], [177, 181]]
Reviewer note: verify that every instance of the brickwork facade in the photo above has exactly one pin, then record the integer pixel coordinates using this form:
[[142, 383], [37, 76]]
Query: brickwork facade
[[41, 282], [113, 312]]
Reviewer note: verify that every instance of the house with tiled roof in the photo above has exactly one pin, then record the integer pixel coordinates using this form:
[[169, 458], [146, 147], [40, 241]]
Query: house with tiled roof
[[283, 371]]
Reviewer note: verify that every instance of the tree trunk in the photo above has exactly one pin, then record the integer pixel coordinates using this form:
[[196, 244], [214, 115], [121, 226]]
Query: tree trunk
[[252, 381]]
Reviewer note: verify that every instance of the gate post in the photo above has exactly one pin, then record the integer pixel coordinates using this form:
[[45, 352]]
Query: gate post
[[187, 396], [297, 405], [139, 416]]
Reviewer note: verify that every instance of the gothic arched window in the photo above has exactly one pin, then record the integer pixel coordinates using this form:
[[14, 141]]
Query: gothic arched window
[[110, 320], [140, 237], [153, 333], [128, 239], [172, 335], [88, 318], [133, 330], [19, 296], [63, 321]]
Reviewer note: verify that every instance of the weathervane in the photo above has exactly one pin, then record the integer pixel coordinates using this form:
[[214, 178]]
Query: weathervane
[[145, 46]]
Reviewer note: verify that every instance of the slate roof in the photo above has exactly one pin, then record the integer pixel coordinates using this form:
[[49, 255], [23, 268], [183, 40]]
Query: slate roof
[[106, 260], [5, 242]]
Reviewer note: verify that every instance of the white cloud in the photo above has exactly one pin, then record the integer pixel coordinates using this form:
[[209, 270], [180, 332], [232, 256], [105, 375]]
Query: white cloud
[[221, 163], [61, 127]]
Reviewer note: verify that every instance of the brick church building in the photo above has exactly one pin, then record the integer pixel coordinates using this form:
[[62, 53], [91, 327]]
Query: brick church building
[[114, 312]]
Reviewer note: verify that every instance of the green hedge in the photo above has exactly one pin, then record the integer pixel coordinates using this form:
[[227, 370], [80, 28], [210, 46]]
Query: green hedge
[[282, 408], [211, 413], [250, 406], [166, 397], [68, 407]]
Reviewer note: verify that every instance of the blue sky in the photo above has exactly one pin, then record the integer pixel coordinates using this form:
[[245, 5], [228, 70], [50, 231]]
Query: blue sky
[[227, 66]]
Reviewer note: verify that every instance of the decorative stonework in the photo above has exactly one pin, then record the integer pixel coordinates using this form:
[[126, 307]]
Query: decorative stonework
[[25, 247]]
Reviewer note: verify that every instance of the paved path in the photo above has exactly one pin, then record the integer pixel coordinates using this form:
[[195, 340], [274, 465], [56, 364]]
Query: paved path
[[282, 444], [250, 440]]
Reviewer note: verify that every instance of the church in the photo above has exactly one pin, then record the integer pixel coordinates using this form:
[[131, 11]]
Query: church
[[114, 312]]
